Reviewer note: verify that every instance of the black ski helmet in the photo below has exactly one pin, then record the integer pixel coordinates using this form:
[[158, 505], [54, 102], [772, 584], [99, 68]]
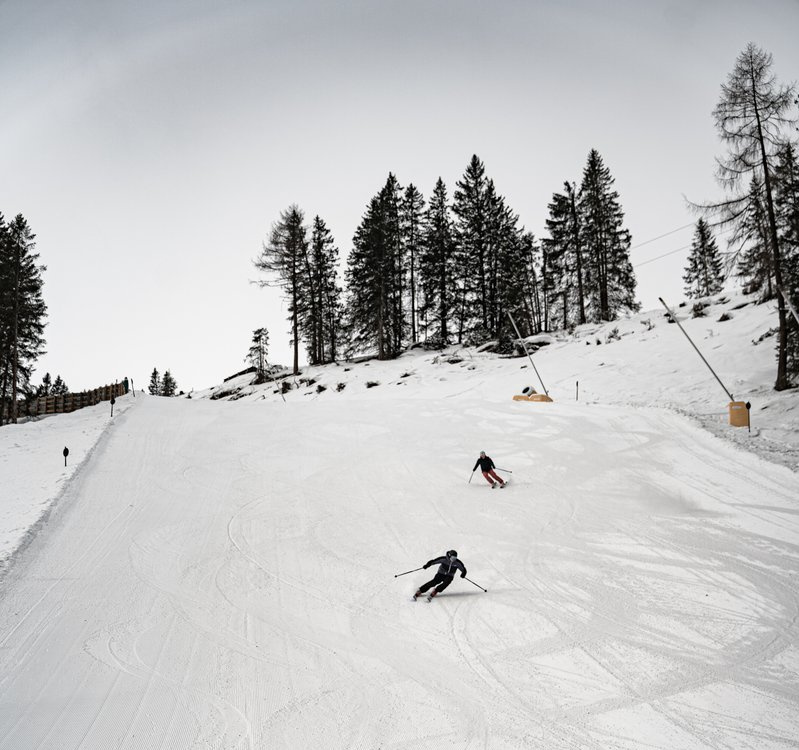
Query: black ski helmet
[[452, 553]]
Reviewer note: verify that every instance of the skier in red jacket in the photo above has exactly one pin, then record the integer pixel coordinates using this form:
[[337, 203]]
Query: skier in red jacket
[[487, 467]]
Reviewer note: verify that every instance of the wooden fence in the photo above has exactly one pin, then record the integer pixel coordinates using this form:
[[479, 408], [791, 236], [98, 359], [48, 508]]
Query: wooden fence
[[66, 403]]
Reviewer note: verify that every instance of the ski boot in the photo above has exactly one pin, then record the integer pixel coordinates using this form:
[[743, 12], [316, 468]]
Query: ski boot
[[431, 595]]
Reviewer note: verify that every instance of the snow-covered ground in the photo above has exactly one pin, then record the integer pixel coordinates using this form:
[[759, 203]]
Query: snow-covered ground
[[641, 360], [222, 574], [33, 472]]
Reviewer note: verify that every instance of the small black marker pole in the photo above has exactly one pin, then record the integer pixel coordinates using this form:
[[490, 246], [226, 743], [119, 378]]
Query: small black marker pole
[[66, 453]]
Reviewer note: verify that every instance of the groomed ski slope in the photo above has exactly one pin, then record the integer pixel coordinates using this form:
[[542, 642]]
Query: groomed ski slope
[[221, 575]]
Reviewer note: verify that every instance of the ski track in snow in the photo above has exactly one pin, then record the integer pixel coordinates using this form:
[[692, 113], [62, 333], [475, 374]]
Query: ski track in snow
[[221, 576]]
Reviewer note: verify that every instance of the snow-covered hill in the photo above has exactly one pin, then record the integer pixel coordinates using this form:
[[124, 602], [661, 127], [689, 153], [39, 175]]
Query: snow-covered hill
[[641, 360], [224, 574]]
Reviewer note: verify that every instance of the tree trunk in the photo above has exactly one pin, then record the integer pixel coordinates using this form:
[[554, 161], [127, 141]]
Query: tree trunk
[[578, 255], [782, 351], [15, 336]]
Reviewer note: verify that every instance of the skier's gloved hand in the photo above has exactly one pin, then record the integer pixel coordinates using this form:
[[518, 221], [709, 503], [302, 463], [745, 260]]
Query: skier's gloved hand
[[425, 566], [463, 575]]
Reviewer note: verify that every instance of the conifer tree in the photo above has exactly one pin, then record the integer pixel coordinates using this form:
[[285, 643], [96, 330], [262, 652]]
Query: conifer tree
[[59, 387], [558, 286], [751, 117], [437, 267], [257, 353], [470, 209], [411, 224], [321, 322], [510, 284], [704, 274], [532, 319], [22, 309], [168, 385], [284, 260], [488, 250], [565, 255], [609, 276], [786, 198], [753, 259], [374, 278], [45, 389], [155, 383], [392, 218]]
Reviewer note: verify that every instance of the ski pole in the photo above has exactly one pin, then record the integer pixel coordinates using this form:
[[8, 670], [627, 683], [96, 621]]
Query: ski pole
[[507, 471], [406, 572], [470, 476], [476, 584]]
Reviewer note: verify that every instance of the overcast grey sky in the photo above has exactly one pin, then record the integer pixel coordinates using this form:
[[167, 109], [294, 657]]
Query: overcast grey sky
[[151, 145]]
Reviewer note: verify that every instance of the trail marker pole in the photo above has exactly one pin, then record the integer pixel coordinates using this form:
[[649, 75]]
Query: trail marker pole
[[66, 453], [113, 401], [524, 346]]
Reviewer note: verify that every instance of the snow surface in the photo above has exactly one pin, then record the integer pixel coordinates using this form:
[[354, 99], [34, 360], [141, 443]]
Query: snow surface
[[221, 573]]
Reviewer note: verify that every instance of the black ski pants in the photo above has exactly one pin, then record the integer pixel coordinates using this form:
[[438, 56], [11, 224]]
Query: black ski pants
[[440, 581]]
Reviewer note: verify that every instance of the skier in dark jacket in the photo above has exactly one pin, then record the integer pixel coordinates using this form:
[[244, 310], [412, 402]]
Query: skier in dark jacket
[[449, 564], [487, 467]]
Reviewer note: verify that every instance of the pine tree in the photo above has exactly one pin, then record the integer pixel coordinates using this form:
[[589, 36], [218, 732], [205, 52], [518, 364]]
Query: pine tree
[[257, 353], [532, 320], [284, 260], [374, 277], [45, 389], [437, 266], [22, 309], [753, 260], [470, 209], [59, 387], [786, 200], [168, 386], [565, 256], [511, 284], [332, 306], [155, 383], [392, 218], [751, 117], [411, 225], [609, 276], [321, 323], [704, 274], [558, 285]]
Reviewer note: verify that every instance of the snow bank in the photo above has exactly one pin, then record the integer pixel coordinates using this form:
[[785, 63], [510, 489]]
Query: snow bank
[[32, 466]]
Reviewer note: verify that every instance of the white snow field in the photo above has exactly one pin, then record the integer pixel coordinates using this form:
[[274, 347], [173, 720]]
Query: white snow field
[[222, 574]]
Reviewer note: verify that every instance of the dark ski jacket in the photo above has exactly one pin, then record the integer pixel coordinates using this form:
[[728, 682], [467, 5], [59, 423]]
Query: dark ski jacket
[[449, 566], [485, 464]]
